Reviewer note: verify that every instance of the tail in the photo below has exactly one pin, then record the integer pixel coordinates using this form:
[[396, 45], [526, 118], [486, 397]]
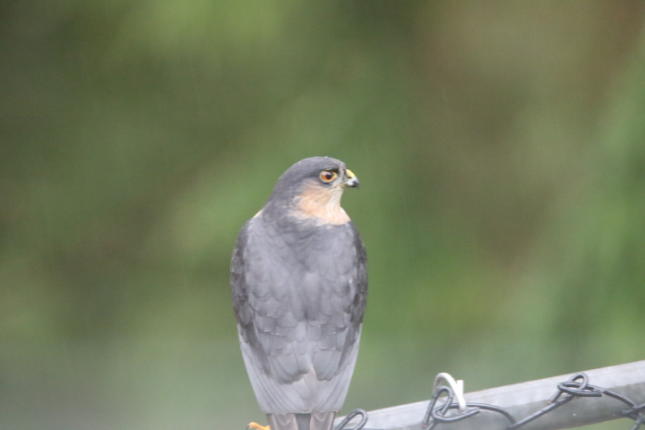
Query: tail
[[313, 421]]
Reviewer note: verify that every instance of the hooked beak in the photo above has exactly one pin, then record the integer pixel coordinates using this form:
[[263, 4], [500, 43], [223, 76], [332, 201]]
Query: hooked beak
[[352, 180]]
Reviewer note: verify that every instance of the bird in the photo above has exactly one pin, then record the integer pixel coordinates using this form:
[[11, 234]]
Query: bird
[[299, 290]]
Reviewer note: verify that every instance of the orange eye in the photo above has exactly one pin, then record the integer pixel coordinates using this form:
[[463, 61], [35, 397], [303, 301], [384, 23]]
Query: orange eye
[[327, 176]]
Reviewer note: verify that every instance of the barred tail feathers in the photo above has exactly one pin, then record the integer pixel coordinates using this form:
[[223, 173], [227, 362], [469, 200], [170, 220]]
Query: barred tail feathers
[[313, 421]]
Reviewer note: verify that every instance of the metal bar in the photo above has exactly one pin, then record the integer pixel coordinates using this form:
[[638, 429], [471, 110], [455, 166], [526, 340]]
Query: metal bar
[[524, 399]]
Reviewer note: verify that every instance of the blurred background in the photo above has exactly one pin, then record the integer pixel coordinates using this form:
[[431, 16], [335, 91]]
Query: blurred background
[[500, 147]]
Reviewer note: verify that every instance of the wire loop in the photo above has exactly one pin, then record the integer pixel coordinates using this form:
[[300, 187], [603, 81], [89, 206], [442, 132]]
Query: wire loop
[[350, 416]]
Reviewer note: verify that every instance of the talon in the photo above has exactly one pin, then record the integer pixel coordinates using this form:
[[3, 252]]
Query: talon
[[255, 426]]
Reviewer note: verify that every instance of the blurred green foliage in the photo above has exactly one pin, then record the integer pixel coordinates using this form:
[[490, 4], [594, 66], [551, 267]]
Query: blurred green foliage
[[500, 148]]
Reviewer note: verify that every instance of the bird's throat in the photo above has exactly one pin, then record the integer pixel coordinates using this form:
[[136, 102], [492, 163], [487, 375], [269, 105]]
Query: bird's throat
[[321, 205]]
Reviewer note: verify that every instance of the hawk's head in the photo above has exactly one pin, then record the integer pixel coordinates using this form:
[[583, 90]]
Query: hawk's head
[[312, 189]]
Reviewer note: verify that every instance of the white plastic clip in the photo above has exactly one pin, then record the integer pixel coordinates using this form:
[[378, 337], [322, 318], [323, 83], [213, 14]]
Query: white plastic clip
[[457, 387]]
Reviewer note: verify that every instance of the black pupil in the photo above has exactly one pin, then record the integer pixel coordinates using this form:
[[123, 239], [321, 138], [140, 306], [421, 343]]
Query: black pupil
[[328, 176]]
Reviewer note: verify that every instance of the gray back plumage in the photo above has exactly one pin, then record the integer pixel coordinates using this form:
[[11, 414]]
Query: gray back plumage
[[299, 292]]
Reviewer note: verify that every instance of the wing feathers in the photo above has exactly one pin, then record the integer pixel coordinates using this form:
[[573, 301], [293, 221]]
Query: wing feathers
[[299, 314]]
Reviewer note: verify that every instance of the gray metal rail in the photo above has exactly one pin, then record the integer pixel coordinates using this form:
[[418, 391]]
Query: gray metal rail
[[552, 403]]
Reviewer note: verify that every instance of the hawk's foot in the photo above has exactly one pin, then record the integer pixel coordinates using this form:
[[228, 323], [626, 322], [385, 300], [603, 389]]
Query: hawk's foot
[[255, 426]]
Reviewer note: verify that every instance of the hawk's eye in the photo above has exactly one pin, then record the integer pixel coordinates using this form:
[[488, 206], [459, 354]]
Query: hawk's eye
[[328, 175]]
